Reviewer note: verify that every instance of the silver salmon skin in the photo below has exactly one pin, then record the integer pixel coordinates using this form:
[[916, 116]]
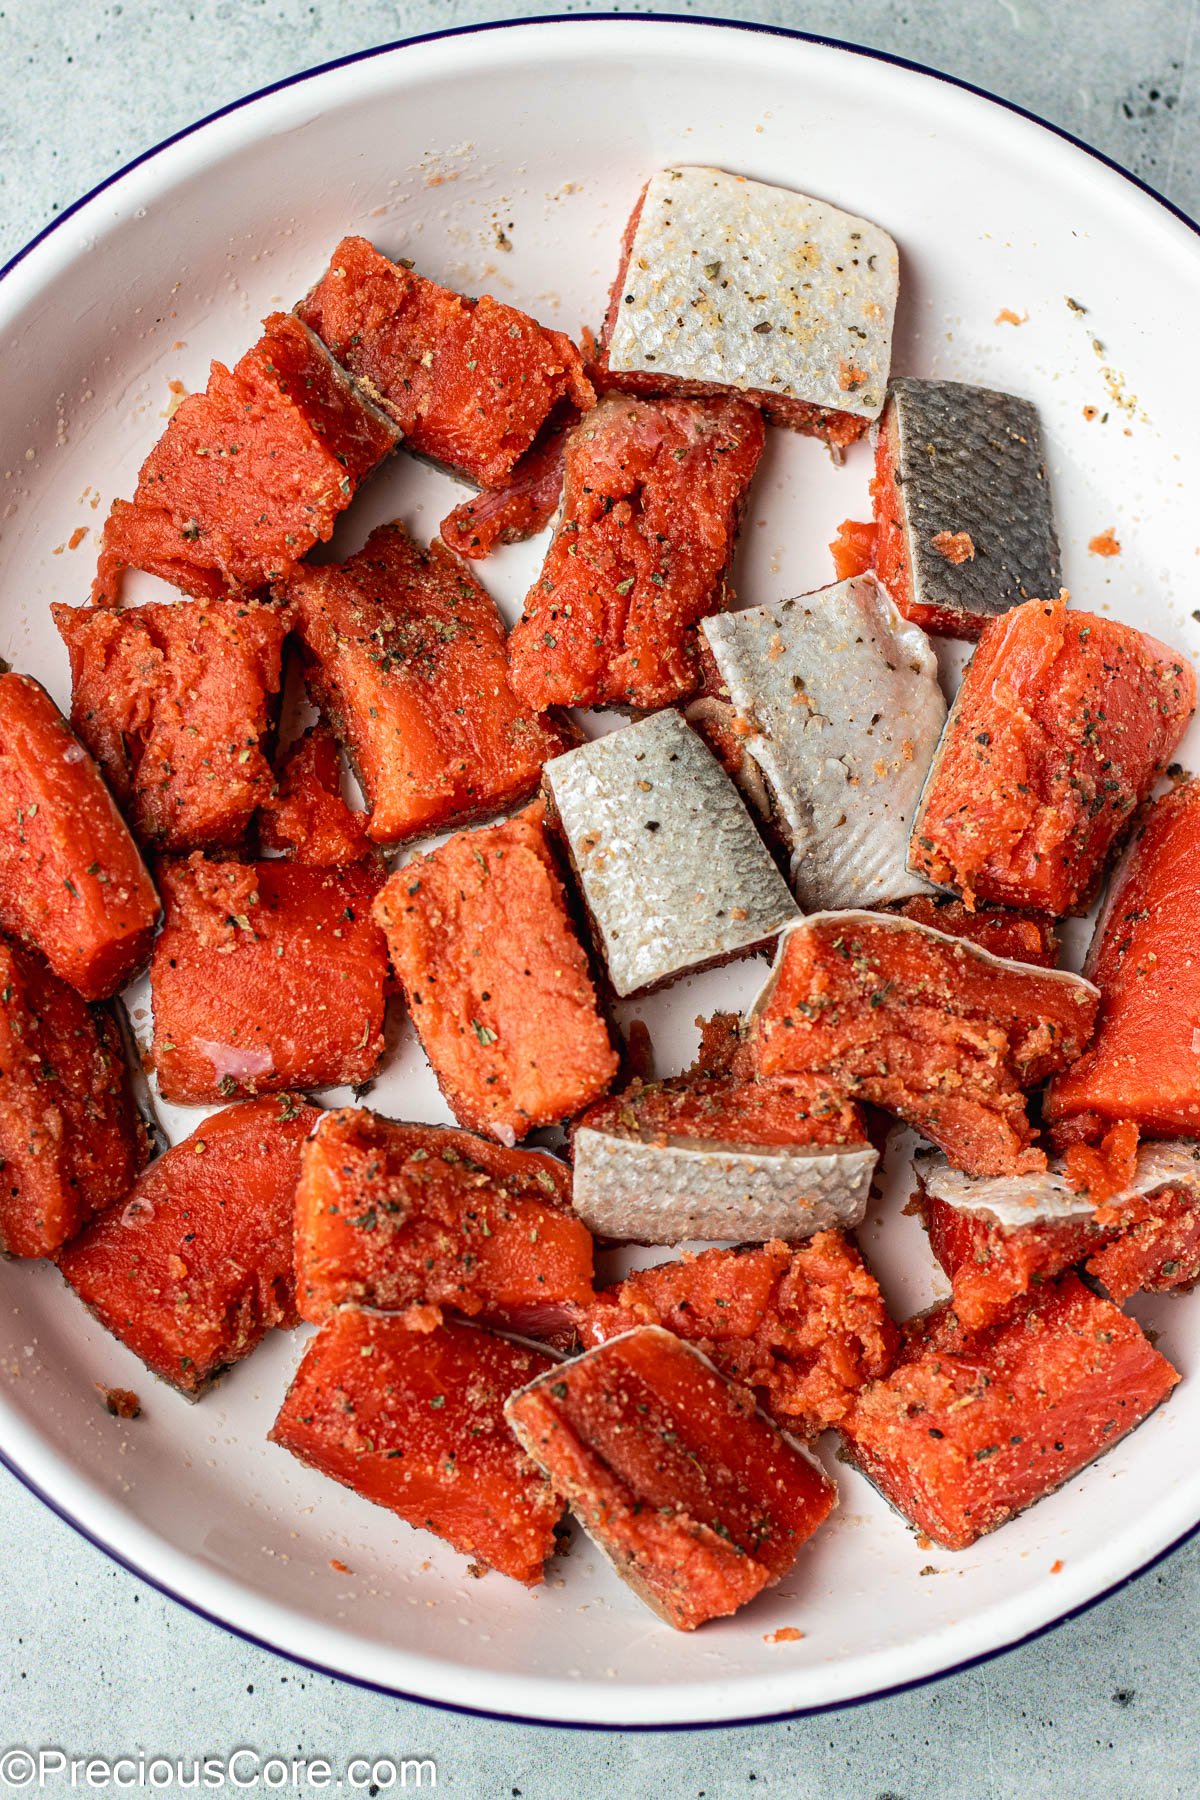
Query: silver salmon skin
[[963, 506], [1048, 1197], [842, 700], [674, 1191], [671, 869], [728, 283]]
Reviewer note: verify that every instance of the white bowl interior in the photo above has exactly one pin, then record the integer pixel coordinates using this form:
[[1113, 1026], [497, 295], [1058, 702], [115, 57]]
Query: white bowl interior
[[548, 131]]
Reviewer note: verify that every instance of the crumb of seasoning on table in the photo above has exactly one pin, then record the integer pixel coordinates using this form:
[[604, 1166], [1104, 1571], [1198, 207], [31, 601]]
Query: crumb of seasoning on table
[[1090, 412], [1056, 1566], [929, 1570], [77, 536], [955, 546], [1076, 306], [786, 1634], [1105, 543], [339, 1567], [1006, 316], [122, 1403], [477, 1570], [923, 1542]]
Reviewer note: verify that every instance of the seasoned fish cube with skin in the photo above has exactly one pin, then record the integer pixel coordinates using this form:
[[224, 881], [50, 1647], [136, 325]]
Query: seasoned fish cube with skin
[[726, 1158], [653, 493], [729, 283], [694, 1496], [670, 866], [413, 1421], [305, 817], [962, 505], [519, 509], [927, 1026], [840, 701], [1025, 937], [971, 1428], [405, 654]]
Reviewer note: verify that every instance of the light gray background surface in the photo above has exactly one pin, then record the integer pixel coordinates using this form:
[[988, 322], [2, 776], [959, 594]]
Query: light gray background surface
[[93, 1661]]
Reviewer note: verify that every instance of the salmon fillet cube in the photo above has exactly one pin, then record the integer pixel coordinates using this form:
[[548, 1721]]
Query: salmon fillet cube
[[414, 1421], [694, 1496], [653, 492], [927, 1026], [174, 702], [496, 979], [405, 655], [1061, 724], [266, 976], [71, 1140], [305, 816], [804, 1325], [521, 508], [249, 475], [470, 383], [970, 1429], [1144, 1061], [1024, 937], [193, 1265], [394, 1216], [71, 879]]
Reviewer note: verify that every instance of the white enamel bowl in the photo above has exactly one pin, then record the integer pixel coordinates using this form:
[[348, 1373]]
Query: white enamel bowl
[[544, 132]]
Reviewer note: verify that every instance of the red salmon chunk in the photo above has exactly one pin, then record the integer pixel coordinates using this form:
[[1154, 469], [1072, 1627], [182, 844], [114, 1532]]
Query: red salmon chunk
[[929, 1027], [524, 506], [470, 383], [70, 1137], [414, 1421], [1023, 937], [653, 494], [306, 817], [1061, 724], [249, 475], [406, 657], [805, 1325], [266, 975], [496, 979], [193, 1267], [174, 701], [694, 1496], [1144, 1062], [853, 549], [393, 1216], [991, 1266], [1156, 1248], [71, 879], [969, 1430]]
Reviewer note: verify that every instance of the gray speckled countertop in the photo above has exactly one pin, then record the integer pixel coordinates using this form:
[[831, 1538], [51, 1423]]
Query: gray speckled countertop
[[93, 1661]]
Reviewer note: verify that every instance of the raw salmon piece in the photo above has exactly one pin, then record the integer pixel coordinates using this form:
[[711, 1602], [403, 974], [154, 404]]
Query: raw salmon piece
[[840, 701], [193, 1266], [70, 1137], [71, 879], [521, 508], [249, 475], [406, 657], [694, 1496], [853, 549], [927, 1026], [470, 383], [653, 493], [306, 817], [728, 283], [1061, 724], [725, 1157], [1158, 1250], [266, 975], [393, 1216], [174, 702], [672, 871], [971, 1429], [414, 1421], [496, 979], [1024, 937], [962, 505], [1144, 1062], [804, 1325]]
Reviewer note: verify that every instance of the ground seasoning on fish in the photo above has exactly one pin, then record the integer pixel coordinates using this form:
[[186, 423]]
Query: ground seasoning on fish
[[470, 383], [927, 1026], [193, 1265], [175, 701], [693, 1495], [652, 497], [1061, 724], [405, 655]]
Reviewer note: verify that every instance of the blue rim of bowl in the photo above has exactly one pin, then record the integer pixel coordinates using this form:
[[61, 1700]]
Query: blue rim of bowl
[[26, 1481]]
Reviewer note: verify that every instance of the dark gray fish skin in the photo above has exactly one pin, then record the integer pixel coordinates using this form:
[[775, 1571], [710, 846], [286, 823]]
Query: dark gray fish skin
[[672, 871], [971, 459]]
